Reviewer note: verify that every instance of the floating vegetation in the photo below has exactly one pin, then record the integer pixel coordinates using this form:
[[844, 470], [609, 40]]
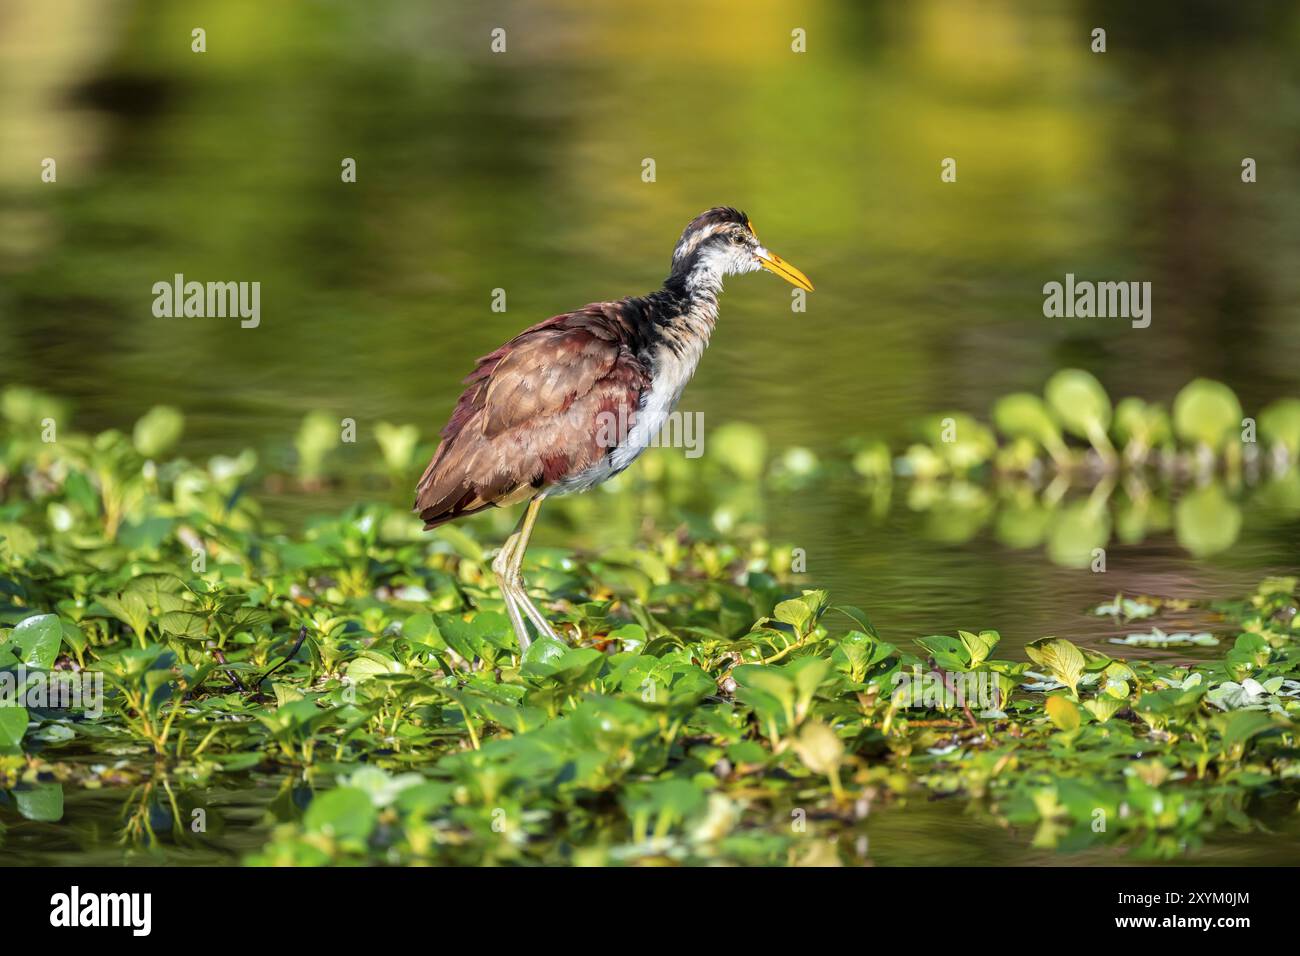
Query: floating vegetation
[[1158, 638], [1130, 609], [1073, 430], [702, 709]]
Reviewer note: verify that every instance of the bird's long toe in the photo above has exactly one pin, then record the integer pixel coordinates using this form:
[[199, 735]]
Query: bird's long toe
[[511, 600], [535, 615]]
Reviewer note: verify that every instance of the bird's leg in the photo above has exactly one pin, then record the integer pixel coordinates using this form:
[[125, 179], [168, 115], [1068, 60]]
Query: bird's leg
[[516, 561], [501, 568]]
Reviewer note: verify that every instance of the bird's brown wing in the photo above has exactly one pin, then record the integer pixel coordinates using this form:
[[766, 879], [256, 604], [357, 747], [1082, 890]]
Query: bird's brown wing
[[531, 413]]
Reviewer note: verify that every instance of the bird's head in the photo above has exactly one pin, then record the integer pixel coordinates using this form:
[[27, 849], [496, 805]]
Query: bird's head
[[721, 242]]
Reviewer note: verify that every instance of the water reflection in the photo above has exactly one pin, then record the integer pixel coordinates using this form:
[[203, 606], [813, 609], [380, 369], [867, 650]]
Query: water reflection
[[162, 822], [1075, 531]]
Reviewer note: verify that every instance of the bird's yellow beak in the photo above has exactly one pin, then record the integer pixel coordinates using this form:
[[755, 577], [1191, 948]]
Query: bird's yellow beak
[[774, 263]]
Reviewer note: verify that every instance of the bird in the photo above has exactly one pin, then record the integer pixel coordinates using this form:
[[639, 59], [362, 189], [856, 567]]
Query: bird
[[572, 401]]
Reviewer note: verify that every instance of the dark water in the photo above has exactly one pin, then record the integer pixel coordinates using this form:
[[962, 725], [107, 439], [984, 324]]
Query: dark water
[[522, 171]]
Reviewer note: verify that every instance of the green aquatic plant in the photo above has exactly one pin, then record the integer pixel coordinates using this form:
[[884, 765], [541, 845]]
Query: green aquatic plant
[[1279, 425], [1158, 638], [701, 700], [398, 444], [1140, 428], [1208, 415], [318, 435], [962, 443], [158, 431], [1023, 415], [741, 448], [1133, 435], [1083, 408]]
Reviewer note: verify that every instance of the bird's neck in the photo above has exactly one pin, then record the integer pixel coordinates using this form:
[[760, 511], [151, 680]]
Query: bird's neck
[[689, 305]]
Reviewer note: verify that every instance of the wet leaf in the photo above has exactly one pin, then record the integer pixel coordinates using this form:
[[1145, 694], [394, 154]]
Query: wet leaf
[[35, 641]]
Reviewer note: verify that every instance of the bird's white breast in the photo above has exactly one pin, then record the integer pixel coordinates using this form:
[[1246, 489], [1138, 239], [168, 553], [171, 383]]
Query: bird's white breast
[[670, 371]]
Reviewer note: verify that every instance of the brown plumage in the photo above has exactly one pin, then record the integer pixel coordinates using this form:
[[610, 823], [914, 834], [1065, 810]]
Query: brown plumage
[[535, 417], [529, 415]]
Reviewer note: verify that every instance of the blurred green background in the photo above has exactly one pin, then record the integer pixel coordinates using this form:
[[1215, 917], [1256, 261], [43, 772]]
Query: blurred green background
[[522, 171]]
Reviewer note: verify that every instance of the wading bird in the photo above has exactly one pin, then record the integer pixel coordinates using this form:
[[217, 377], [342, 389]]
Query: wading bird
[[573, 400]]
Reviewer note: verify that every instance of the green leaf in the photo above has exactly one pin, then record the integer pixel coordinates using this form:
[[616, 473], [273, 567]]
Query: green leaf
[[1063, 659], [808, 673], [1104, 707], [160, 591], [13, 725], [187, 624], [795, 613], [345, 813], [948, 652], [1207, 413], [1115, 680], [131, 609], [1279, 424], [819, 748], [74, 637], [35, 641], [543, 651], [771, 680], [858, 617], [979, 646], [1081, 404], [421, 629], [460, 635], [1022, 415], [158, 430], [1062, 712], [856, 653], [247, 618], [397, 444], [318, 435], [370, 665], [42, 802], [1140, 424], [1241, 726]]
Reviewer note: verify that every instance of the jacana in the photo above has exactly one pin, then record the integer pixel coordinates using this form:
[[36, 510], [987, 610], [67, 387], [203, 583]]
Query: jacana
[[534, 418]]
